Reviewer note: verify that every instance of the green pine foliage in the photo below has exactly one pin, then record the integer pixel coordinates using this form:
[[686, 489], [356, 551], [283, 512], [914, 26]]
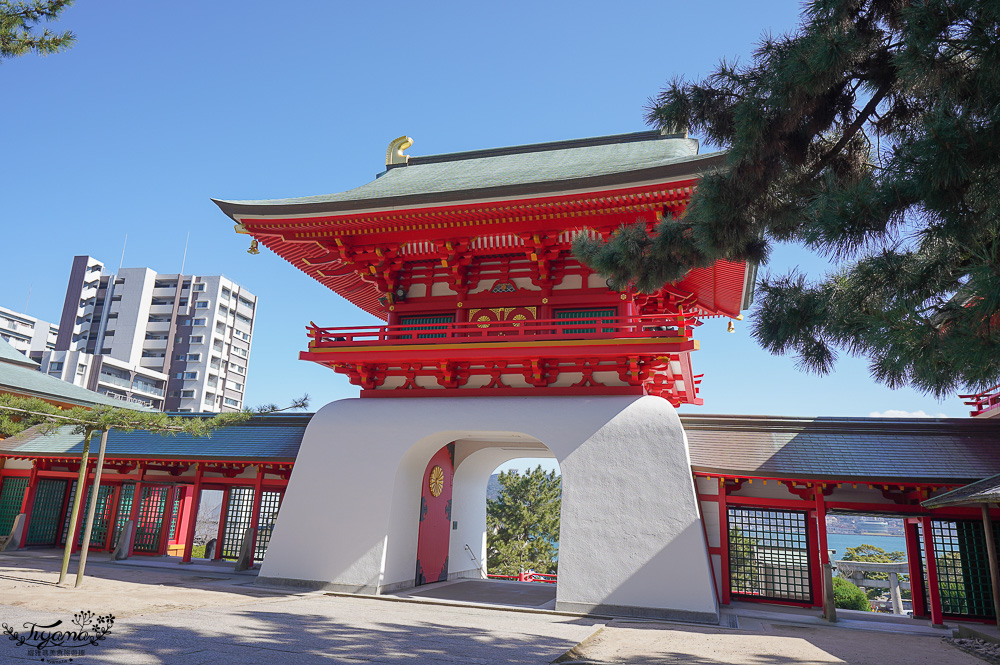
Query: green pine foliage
[[523, 523], [17, 28], [872, 137], [18, 413], [847, 596]]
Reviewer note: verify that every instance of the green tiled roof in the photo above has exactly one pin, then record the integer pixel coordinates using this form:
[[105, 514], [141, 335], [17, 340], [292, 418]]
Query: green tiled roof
[[8, 354], [19, 374], [917, 449], [264, 438], [509, 167]]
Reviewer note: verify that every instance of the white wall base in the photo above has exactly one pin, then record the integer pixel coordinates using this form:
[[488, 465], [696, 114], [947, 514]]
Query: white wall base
[[630, 542]]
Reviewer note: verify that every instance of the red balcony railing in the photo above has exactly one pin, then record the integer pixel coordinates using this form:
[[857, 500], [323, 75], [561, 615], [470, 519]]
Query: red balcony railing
[[984, 401], [646, 326]]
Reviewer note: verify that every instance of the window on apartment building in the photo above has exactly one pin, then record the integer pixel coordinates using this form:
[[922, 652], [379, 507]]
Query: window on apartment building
[[226, 292], [174, 393], [200, 322], [55, 366], [116, 298], [184, 321], [246, 303], [220, 327], [214, 363], [196, 339], [153, 354], [109, 333], [201, 304], [229, 401], [151, 335], [183, 302], [187, 393], [81, 368], [198, 287], [113, 315], [237, 386], [244, 319], [105, 351], [194, 357], [217, 345], [187, 376], [223, 310], [162, 301], [239, 369], [179, 356]]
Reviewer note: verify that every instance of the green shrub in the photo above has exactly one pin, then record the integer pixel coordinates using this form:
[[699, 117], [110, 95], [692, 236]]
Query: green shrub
[[847, 596]]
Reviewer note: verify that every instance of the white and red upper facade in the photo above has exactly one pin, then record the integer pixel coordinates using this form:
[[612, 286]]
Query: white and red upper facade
[[467, 257]]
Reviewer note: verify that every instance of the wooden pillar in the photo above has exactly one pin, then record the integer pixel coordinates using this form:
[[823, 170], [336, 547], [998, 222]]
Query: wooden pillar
[[991, 550], [165, 519], [222, 524], [29, 501], [724, 542], [255, 510], [914, 561], [933, 590], [193, 514]]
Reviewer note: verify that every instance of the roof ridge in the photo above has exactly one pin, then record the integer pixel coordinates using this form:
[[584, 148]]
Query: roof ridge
[[566, 144]]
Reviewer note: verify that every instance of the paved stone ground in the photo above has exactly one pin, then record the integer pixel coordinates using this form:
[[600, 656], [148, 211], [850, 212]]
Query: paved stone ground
[[209, 617], [768, 644]]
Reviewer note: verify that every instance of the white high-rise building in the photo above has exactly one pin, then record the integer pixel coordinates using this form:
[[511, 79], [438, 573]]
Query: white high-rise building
[[175, 342], [27, 334]]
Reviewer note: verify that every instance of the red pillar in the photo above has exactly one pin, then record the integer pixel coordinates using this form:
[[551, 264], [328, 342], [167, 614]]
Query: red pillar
[[82, 516], [222, 525], [824, 547], [192, 515], [134, 515], [724, 541], [933, 590], [113, 518], [913, 560], [29, 501], [816, 572], [165, 519], [255, 511]]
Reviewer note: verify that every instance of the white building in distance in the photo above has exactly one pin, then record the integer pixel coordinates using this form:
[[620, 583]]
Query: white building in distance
[[29, 335], [174, 342]]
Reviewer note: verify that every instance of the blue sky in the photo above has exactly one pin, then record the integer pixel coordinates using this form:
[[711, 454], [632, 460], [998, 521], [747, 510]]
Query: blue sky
[[161, 106]]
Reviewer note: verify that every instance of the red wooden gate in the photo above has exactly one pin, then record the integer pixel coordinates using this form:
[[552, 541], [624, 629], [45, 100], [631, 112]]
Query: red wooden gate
[[435, 517]]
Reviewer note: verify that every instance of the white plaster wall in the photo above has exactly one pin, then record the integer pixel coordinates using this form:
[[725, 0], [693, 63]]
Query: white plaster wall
[[630, 537]]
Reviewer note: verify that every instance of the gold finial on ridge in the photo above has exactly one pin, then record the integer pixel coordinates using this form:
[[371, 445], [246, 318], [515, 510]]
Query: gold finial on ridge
[[394, 154]]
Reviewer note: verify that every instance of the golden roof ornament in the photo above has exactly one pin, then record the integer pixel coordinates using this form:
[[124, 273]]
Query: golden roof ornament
[[394, 153]]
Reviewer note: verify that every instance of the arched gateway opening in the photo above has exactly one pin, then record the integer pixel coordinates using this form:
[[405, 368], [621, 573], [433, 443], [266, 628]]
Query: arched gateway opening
[[453, 556]]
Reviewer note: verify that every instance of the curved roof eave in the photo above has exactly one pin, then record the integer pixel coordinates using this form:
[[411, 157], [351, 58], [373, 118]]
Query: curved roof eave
[[681, 168]]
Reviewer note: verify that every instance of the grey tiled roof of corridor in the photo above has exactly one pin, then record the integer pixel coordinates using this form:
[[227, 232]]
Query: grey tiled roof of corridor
[[916, 449], [264, 438]]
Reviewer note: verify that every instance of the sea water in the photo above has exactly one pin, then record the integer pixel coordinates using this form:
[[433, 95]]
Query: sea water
[[841, 541]]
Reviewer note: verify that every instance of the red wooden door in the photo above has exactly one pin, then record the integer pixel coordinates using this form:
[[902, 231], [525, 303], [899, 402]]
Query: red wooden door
[[434, 535]]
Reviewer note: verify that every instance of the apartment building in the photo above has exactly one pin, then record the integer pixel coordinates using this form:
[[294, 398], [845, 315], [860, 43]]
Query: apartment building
[[174, 342], [27, 334]]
